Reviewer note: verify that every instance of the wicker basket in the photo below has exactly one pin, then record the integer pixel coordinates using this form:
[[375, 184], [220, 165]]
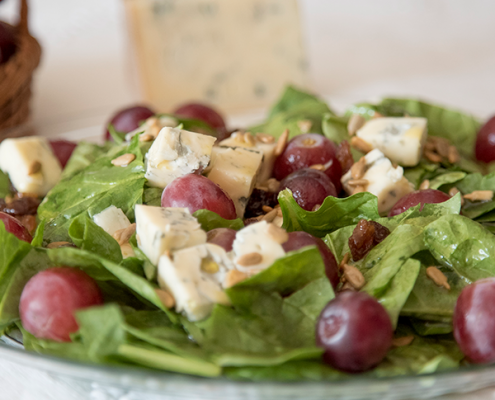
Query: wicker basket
[[15, 79]]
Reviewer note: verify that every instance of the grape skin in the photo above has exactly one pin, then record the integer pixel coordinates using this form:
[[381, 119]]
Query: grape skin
[[355, 331], [128, 119], [485, 142], [474, 321], [299, 239], [196, 192], [427, 196], [50, 299], [13, 226], [203, 113], [309, 187], [223, 237], [63, 150]]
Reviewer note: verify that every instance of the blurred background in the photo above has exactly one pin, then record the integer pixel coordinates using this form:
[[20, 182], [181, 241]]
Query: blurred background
[[94, 58]]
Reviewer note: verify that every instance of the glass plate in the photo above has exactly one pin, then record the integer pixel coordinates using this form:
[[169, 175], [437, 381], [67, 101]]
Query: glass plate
[[132, 383]]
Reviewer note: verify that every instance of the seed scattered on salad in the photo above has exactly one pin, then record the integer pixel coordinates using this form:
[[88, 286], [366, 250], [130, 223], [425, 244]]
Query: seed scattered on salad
[[56, 245], [281, 143], [305, 125], [124, 160], [146, 137], [424, 185], [402, 341], [353, 276], [479, 195], [361, 145], [34, 167], [264, 138], [234, 277], [249, 259], [355, 123], [438, 277]]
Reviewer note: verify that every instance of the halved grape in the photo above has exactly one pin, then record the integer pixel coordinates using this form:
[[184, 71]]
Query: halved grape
[[223, 237], [485, 142], [309, 187], [299, 239], [63, 150], [474, 321], [128, 119], [50, 299], [307, 150], [196, 192], [15, 227], [355, 331], [427, 196]]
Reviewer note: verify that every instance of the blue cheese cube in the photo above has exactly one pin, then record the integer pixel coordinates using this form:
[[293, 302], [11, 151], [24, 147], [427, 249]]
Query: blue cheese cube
[[111, 220], [235, 170], [264, 144], [381, 179], [195, 277], [175, 153], [400, 139], [30, 164], [160, 230], [257, 246]]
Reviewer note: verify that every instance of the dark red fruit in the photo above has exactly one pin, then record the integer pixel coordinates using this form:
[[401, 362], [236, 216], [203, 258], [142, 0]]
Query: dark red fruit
[[307, 150], [365, 236], [299, 239], [428, 196], [51, 298], [196, 192], [355, 331], [485, 142], [204, 113], [128, 119], [63, 150], [13, 226], [223, 237], [309, 187], [8, 42], [474, 321]]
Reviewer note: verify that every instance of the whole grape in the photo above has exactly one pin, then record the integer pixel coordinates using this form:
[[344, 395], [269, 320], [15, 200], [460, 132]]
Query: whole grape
[[50, 299], [427, 196], [13, 226], [196, 192], [309, 187], [299, 239], [128, 119], [308, 150], [474, 321], [355, 331], [205, 113], [63, 150], [485, 142]]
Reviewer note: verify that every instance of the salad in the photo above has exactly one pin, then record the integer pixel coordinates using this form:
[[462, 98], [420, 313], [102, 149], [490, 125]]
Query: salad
[[313, 246]]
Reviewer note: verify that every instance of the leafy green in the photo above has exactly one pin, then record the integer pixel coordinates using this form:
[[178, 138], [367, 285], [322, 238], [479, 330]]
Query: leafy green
[[427, 328], [95, 188], [210, 220], [445, 179], [84, 155], [4, 185], [333, 214], [88, 236], [293, 107], [152, 196], [335, 128]]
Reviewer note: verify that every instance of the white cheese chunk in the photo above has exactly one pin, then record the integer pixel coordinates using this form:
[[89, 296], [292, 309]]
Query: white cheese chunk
[[267, 149], [195, 276], [384, 181], [111, 220], [162, 229], [235, 171], [152, 126], [400, 139], [30, 163], [261, 238], [175, 153]]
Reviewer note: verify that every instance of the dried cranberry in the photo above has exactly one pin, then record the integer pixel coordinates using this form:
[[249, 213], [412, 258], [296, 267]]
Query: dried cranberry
[[21, 206], [381, 232], [361, 240], [344, 156], [258, 199]]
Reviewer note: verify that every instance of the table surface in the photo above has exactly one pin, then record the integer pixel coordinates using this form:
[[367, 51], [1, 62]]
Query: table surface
[[441, 50]]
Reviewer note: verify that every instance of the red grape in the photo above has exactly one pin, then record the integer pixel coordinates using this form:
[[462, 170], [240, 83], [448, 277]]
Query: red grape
[[430, 196], [50, 299], [204, 113], [196, 192], [485, 142], [63, 150], [8, 41], [355, 331], [14, 226], [474, 321], [306, 150], [309, 187], [223, 237], [298, 240], [128, 119]]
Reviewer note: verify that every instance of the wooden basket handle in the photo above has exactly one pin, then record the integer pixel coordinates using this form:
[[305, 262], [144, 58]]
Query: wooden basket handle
[[23, 17]]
